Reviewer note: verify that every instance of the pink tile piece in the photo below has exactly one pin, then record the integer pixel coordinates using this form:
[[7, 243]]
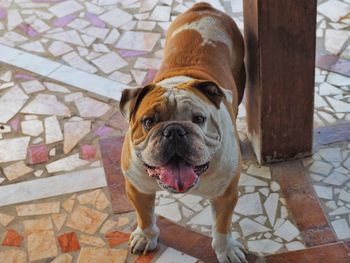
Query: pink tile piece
[[150, 76], [130, 53], [95, 20], [63, 21], [3, 13], [88, 152], [24, 76], [38, 154], [14, 123], [28, 29], [103, 131]]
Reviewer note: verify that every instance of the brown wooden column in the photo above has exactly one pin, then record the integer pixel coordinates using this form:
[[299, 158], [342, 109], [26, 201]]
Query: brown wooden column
[[280, 56]]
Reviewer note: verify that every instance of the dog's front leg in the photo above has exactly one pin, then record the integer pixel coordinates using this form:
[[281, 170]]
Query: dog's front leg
[[145, 236], [227, 248]]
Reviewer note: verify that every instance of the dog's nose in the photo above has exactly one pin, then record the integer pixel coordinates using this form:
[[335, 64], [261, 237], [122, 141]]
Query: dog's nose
[[174, 130]]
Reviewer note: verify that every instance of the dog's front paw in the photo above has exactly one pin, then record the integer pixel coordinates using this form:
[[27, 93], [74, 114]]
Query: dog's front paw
[[144, 240], [228, 249]]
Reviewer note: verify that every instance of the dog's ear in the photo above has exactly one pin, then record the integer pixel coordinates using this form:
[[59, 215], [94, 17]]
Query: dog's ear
[[131, 99], [213, 92]]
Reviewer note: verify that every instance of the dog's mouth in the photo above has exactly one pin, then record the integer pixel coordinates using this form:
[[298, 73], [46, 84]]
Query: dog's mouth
[[177, 176]]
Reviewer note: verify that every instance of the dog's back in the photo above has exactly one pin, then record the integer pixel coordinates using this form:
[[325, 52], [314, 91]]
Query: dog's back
[[205, 43]]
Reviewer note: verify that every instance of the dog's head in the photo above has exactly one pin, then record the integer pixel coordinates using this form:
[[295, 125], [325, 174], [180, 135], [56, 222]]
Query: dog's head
[[175, 131]]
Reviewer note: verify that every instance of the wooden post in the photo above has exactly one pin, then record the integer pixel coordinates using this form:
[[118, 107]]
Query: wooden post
[[280, 57]]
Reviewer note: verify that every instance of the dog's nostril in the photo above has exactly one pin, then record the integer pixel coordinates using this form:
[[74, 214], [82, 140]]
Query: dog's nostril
[[174, 130]]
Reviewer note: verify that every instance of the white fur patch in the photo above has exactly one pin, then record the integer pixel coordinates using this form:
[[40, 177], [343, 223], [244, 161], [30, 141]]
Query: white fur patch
[[211, 31], [143, 240], [227, 248], [172, 82]]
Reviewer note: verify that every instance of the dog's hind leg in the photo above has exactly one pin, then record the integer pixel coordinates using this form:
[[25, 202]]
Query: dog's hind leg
[[145, 236], [227, 248]]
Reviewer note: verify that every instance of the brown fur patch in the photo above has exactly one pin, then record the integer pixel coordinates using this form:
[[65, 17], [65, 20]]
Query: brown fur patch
[[143, 203], [185, 55], [126, 153], [153, 103]]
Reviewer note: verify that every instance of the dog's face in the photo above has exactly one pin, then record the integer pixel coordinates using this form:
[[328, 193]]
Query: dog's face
[[175, 131]]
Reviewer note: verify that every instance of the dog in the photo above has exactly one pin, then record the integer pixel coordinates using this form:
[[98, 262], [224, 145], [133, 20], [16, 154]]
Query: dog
[[182, 134]]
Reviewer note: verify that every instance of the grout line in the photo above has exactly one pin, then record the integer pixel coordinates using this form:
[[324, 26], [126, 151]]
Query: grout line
[[62, 73], [52, 186]]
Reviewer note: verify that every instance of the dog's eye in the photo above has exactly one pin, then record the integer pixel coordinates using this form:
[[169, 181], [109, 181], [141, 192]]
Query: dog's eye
[[148, 122], [198, 119]]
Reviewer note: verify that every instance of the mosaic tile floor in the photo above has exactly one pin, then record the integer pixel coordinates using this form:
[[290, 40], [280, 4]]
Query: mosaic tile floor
[[329, 171], [63, 66]]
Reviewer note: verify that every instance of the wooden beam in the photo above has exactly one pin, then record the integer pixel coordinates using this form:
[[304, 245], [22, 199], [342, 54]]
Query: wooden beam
[[280, 47]]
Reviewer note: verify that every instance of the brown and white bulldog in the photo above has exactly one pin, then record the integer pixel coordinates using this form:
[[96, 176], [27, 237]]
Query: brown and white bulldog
[[182, 135]]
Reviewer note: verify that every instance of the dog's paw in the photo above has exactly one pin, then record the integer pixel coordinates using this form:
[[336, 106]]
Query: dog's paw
[[228, 249], [144, 240]]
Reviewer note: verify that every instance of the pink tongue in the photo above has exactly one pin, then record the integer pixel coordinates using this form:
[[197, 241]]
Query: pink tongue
[[180, 176]]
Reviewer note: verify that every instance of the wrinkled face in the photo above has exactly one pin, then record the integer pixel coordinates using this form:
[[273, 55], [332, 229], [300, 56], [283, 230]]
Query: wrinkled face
[[175, 133]]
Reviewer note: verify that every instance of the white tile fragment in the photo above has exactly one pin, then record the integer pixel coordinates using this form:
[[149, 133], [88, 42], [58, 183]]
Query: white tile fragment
[[7, 76], [91, 108], [13, 19], [334, 9], [32, 127], [74, 131], [56, 87], [140, 41], [287, 231], [58, 48], [170, 211], [339, 106], [11, 102], [266, 246], [32, 86], [78, 62], [13, 149], [52, 186], [35, 46], [172, 255], [66, 164], [321, 168], [247, 180], [110, 62], [138, 75], [271, 205], [249, 227], [71, 37], [45, 104], [53, 131], [296, 245], [324, 192], [161, 13], [341, 228], [112, 37], [254, 208], [65, 8], [262, 171], [337, 79], [110, 17], [335, 39], [16, 170]]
